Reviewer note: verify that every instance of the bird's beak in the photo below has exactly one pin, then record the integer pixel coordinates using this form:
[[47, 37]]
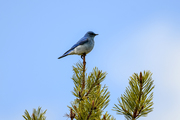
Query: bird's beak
[[96, 34]]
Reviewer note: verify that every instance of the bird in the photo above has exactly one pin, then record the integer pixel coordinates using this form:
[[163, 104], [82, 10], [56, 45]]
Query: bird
[[83, 46]]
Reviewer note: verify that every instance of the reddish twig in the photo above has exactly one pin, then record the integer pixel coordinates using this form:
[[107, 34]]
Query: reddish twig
[[72, 115], [104, 117], [84, 68]]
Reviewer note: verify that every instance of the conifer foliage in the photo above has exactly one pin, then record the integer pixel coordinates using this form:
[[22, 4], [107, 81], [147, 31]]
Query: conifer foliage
[[137, 99], [36, 115], [90, 99]]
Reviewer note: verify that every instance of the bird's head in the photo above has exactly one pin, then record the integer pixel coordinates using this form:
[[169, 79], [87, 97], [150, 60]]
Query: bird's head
[[90, 34]]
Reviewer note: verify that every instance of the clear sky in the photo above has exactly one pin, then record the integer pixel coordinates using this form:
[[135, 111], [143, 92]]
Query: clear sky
[[134, 35]]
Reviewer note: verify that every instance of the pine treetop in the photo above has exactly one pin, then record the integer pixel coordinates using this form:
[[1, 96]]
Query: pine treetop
[[90, 102]]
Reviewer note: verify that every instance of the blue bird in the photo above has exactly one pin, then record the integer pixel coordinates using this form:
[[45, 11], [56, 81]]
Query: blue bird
[[83, 46]]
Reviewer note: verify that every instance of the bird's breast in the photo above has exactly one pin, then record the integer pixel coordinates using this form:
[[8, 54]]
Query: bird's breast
[[85, 48]]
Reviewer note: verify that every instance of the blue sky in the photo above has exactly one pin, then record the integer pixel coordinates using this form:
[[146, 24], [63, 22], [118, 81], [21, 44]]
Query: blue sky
[[133, 36]]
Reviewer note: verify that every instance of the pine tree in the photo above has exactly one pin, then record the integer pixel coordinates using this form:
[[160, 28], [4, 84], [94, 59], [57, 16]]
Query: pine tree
[[137, 99], [36, 115], [91, 97]]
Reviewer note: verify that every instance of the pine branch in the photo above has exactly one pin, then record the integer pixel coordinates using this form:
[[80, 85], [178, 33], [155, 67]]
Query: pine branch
[[36, 115], [140, 94], [140, 110], [106, 116], [137, 99], [93, 84], [92, 108]]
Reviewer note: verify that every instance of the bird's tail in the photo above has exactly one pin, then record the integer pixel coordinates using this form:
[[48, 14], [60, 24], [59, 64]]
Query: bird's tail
[[62, 56]]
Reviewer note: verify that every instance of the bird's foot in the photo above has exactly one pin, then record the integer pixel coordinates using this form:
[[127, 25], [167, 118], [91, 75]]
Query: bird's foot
[[83, 55]]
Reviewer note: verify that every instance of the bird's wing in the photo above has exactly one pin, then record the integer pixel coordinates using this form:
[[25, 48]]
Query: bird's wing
[[80, 42]]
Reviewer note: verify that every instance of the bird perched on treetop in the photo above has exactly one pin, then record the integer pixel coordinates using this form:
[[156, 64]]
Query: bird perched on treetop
[[83, 46]]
